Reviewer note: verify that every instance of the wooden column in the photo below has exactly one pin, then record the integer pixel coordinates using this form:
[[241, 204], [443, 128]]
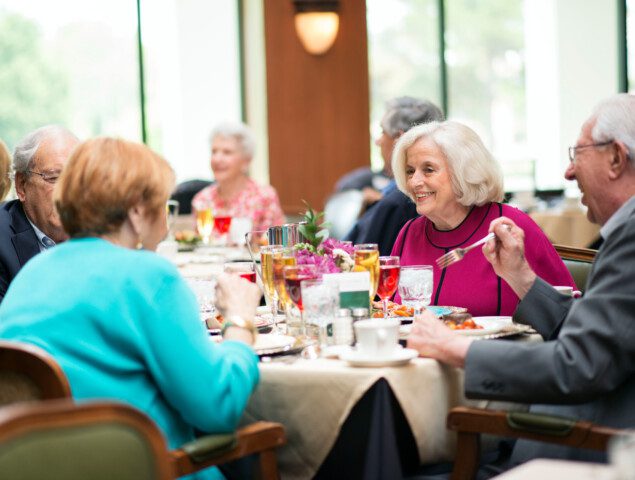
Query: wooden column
[[317, 106]]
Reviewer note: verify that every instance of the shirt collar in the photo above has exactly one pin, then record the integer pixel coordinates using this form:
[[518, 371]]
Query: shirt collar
[[40, 236], [618, 218]]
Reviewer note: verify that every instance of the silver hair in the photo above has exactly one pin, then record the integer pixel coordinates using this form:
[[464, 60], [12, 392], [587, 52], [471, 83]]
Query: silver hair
[[476, 176], [26, 148], [403, 113], [239, 131], [615, 120]]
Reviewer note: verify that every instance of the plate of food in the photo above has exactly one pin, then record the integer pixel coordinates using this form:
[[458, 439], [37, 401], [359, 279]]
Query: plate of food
[[405, 313], [465, 324], [187, 240]]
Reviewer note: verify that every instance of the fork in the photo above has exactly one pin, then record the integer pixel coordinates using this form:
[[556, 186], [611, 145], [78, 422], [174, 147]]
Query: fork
[[457, 254]]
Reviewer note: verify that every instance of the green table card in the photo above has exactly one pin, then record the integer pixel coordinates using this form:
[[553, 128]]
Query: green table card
[[354, 288]]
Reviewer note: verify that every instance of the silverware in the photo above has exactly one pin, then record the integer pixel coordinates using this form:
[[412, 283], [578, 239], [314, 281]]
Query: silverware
[[457, 254]]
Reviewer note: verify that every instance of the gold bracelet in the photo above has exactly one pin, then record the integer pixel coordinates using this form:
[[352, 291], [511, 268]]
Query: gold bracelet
[[240, 322]]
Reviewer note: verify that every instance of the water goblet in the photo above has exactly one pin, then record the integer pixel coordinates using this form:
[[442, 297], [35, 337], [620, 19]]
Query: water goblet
[[246, 270], [321, 302], [293, 276], [367, 258], [415, 286], [388, 280]]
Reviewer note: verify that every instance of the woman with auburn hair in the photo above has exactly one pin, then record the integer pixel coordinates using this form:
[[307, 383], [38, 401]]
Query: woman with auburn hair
[[457, 187], [5, 170], [234, 193], [118, 318]]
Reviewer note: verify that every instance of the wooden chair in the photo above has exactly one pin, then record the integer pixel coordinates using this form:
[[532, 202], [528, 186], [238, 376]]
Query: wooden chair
[[29, 373], [470, 423], [578, 261], [106, 440]]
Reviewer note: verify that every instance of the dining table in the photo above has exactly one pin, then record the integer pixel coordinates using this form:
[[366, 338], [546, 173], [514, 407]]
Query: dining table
[[343, 421]]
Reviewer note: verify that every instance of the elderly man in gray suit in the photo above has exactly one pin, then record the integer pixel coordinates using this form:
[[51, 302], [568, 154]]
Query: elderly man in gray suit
[[585, 368]]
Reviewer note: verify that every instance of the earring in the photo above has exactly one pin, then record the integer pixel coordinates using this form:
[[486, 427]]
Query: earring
[[139, 245]]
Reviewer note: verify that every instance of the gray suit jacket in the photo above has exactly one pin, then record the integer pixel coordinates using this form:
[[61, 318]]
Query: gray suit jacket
[[585, 369]]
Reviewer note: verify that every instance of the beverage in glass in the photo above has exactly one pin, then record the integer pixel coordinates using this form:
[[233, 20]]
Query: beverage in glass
[[415, 286], [172, 212], [283, 258], [367, 259], [321, 303], [266, 265], [293, 276], [388, 280], [222, 224], [245, 270], [205, 224]]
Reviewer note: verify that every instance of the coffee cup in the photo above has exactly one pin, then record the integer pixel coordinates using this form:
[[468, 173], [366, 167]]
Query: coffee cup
[[377, 337], [568, 291]]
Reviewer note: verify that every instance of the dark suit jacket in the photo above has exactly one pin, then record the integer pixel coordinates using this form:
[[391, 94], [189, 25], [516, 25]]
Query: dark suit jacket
[[585, 369], [382, 222], [18, 242]]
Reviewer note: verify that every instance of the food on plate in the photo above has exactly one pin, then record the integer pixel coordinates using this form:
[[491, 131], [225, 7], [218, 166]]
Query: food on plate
[[394, 310], [461, 321], [189, 237]]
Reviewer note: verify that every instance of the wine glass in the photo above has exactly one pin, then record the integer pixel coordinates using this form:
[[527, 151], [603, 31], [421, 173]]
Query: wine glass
[[205, 223], [415, 286], [367, 258], [388, 280], [293, 276], [172, 212], [245, 270], [321, 302], [282, 258], [222, 223], [266, 265]]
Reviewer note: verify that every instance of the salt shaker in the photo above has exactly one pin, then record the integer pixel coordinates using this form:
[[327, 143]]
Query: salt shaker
[[360, 313], [343, 328]]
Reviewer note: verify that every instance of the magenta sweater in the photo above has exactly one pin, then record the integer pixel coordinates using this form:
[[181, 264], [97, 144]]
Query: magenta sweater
[[472, 283]]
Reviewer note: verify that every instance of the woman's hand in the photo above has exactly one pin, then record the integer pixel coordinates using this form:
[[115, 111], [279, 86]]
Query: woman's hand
[[240, 297], [431, 338], [506, 253]]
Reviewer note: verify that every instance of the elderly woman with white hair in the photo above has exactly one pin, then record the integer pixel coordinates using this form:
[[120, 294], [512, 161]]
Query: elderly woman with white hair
[[234, 193], [457, 187]]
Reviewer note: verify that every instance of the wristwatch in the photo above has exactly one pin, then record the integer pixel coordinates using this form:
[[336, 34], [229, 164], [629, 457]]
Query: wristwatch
[[240, 322]]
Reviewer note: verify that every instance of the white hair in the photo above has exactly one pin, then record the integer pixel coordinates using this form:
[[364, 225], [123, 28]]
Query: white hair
[[240, 132], [26, 149], [615, 120], [476, 176]]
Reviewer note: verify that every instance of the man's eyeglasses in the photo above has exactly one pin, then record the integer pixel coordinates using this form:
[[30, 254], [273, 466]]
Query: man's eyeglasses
[[573, 150], [50, 177]]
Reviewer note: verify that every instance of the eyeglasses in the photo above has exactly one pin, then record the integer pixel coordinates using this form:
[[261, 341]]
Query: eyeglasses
[[50, 177], [572, 150]]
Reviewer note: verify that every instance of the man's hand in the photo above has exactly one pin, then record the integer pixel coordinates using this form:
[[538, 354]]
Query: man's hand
[[506, 253], [431, 338]]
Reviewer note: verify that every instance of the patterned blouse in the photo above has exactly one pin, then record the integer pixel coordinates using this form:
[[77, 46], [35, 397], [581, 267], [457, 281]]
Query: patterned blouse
[[260, 203]]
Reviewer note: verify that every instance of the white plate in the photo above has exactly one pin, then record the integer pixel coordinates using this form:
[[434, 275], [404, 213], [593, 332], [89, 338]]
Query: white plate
[[491, 325], [272, 342], [400, 357]]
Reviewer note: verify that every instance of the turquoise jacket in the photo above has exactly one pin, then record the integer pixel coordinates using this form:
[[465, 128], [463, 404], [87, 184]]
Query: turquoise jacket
[[124, 325]]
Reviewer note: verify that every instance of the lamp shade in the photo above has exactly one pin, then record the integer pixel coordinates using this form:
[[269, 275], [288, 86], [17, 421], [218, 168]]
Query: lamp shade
[[316, 24]]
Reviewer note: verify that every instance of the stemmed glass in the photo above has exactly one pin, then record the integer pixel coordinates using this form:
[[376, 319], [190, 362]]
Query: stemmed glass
[[321, 301], [367, 258], [222, 223], [246, 270], [172, 212], [293, 276], [205, 223], [282, 258], [388, 280], [266, 261], [415, 286]]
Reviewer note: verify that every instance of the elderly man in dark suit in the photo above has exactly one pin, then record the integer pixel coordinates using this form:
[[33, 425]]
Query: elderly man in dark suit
[[30, 224], [585, 368]]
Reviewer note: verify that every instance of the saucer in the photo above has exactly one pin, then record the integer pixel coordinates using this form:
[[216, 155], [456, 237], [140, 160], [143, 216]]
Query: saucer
[[401, 356]]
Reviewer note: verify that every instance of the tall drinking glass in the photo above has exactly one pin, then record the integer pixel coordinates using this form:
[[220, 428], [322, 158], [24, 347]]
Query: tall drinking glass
[[283, 258], [266, 263], [321, 303], [415, 286], [205, 223], [367, 258], [172, 212], [388, 280], [293, 276]]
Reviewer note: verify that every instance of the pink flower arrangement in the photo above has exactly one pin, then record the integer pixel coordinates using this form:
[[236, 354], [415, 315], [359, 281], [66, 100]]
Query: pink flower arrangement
[[331, 256]]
